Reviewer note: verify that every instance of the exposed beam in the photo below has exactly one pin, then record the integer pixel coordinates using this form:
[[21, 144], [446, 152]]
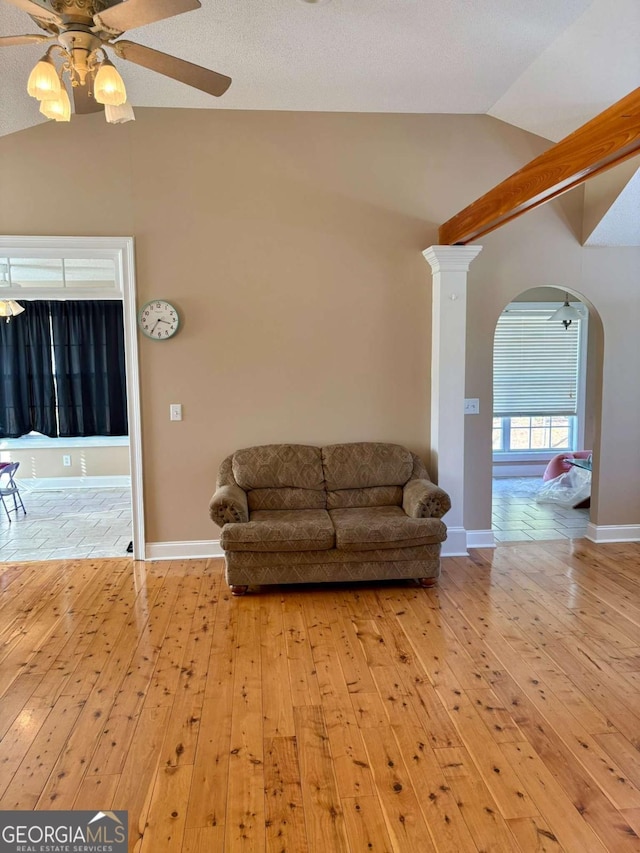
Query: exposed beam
[[601, 143]]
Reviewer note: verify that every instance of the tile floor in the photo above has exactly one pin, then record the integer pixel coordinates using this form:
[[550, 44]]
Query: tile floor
[[67, 525], [517, 517]]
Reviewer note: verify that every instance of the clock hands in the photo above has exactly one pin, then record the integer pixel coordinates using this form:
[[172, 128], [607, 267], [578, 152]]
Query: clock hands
[[159, 320]]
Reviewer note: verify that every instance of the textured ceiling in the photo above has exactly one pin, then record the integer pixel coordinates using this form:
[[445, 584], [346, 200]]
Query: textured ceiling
[[620, 224], [592, 64], [425, 56], [546, 66]]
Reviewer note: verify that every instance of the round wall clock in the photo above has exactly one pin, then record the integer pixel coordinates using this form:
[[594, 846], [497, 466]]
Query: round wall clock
[[158, 319]]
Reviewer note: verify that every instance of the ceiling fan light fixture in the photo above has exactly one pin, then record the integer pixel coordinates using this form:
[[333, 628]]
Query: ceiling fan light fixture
[[120, 114], [59, 109], [10, 308], [108, 87], [82, 31], [43, 82]]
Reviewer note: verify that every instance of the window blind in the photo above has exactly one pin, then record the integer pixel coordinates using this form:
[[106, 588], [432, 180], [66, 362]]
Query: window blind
[[535, 365]]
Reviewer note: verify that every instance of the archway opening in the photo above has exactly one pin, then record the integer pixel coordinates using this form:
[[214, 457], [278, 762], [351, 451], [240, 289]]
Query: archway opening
[[546, 415]]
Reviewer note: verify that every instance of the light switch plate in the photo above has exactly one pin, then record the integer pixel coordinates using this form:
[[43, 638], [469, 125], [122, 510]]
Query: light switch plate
[[472, 406], [175, 411]]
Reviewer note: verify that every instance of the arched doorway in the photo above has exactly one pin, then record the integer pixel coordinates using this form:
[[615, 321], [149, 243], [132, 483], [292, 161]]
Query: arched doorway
[[546, 404]]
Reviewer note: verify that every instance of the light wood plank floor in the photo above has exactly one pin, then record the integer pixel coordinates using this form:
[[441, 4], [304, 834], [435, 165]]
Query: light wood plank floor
[[498, 712]]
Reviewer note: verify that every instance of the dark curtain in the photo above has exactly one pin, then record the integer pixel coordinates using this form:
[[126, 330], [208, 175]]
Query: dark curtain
[[27, 392], [88, 345]]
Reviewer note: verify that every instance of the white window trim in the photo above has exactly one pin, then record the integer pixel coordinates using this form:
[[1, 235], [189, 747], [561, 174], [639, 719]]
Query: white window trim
[[547, 455], [42, 442]]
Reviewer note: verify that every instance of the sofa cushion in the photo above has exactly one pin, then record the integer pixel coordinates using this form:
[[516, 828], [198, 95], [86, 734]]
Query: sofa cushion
[[375, 496], [286, 499], [332, 556], [364, 464], [281, 530], [279, 466], [375, 527]]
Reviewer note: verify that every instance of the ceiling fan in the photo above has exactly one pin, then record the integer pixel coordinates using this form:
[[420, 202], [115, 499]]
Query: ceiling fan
[[80, 31]]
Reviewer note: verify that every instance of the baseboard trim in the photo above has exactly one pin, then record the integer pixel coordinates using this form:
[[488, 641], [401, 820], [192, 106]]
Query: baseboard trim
[[480, 539], [601, 533], [456, 543], [45, 484], [196, 550], [455, 546]]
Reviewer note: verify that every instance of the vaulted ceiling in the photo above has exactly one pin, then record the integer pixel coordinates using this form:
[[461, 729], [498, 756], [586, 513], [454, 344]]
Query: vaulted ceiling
[[546, 67]]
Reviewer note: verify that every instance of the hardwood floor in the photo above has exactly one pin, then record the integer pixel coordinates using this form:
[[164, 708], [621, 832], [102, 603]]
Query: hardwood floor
[[499, 711]]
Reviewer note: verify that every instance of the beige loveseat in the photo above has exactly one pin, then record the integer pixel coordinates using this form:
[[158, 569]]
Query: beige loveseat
[[292, 513]]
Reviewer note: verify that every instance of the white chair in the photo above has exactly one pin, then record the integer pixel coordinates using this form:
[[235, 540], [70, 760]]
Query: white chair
[[9, 488]]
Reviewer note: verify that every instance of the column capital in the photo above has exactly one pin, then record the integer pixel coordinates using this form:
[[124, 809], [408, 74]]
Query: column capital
[[451, 258]]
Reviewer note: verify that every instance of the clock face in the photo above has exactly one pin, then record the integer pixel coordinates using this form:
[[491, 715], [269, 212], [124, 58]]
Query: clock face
[[158, 319]]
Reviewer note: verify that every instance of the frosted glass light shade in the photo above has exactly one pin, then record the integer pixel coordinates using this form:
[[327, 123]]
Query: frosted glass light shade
[[58, 108], [566, 315], [43, 82], [119, 114], [108, 87]]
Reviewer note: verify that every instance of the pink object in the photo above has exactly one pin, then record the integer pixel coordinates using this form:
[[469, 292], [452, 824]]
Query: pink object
[[559, 464]]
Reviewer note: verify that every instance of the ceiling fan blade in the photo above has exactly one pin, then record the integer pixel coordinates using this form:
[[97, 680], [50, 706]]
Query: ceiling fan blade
[[83, 100], [129, 14], [38, 9], [9, 41], [179, 69]]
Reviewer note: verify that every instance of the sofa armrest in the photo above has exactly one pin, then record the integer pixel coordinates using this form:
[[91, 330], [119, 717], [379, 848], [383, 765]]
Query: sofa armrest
[[423, 499], [229, 504]]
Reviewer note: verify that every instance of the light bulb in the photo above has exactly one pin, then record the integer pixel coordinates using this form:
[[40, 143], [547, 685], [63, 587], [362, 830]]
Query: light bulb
[[44, 82], [9, 308], [108, 87], [58, 108]]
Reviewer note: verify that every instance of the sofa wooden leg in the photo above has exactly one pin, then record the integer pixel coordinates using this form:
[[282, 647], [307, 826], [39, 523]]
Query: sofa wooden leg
[[427, 582], [238, 589]]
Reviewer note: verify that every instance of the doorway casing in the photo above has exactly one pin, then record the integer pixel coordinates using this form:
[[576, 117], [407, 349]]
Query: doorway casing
[[121, 251]]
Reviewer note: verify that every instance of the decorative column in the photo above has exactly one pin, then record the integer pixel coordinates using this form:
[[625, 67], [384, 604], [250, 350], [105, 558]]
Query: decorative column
[[449, 266]]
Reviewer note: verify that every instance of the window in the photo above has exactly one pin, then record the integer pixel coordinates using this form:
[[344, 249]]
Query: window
[[538, 377], [540, 433], [26, 276]]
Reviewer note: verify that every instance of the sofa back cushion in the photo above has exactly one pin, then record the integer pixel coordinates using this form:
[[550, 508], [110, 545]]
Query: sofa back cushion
[[374, 496], [278, 466], [365, 465], [286, 498]]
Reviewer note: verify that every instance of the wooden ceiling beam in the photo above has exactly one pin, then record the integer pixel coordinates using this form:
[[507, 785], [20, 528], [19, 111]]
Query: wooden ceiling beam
[[608, 139]]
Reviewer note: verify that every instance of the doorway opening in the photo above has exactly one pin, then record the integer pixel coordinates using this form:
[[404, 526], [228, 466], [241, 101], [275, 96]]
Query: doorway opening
[[82, 479], [541, 401]]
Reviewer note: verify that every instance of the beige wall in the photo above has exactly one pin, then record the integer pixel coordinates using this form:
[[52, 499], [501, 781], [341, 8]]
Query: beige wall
[[291, 244], [85, 462], [535, 250]]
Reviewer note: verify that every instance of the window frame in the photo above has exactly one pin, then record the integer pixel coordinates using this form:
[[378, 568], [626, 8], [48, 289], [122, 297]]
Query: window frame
[[578, 429]]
